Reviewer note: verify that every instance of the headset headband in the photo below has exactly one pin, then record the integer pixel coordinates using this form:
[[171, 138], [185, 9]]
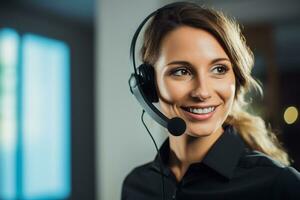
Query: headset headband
[[138, 30]]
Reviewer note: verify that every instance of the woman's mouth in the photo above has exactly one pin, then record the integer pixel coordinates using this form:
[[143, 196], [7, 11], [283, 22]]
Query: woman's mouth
[[199, 113]]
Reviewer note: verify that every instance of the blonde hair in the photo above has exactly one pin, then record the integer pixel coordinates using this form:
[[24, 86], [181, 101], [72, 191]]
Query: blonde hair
[[252, 128]]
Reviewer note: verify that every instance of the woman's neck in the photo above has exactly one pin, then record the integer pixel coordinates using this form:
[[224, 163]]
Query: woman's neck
[[186, 150]]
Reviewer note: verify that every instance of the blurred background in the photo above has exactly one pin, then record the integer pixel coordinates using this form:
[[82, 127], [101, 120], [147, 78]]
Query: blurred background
[[69, 127]]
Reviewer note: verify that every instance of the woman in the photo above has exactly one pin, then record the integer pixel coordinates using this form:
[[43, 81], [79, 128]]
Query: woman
[[203, 71]]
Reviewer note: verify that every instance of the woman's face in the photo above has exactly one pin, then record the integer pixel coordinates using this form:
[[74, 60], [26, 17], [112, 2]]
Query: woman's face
[[195, 80]]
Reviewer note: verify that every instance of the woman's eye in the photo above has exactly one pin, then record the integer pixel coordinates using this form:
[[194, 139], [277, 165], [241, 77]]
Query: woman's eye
[[220, 69], [181, 72]]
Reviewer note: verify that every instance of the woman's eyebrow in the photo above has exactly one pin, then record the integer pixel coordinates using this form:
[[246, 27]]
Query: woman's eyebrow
[[219, 59], [182, 62]]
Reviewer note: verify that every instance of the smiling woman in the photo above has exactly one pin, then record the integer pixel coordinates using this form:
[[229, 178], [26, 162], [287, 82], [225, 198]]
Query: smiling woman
[[202, 70]]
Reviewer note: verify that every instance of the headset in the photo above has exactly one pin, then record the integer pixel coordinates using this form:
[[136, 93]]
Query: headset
[[142, 84]]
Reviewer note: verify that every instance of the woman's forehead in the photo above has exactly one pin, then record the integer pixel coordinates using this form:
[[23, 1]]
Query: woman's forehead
[[189, 43]]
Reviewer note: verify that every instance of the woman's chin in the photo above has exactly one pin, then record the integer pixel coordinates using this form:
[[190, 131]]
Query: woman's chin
[[200, 131]]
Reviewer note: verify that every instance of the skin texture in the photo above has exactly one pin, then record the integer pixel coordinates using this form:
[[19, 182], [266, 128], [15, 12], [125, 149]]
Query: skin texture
[[203, 77]]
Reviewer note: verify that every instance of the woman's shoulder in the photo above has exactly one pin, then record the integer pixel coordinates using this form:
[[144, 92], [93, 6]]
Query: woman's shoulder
[[136, 179], [286, 179], [139, 172], [254, 158]]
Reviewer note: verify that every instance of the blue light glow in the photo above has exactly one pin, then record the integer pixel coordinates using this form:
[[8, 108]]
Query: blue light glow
[[46, 118], [9, 41]]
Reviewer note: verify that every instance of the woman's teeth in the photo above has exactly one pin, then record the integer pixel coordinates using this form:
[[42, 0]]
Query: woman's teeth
[[200, 110]]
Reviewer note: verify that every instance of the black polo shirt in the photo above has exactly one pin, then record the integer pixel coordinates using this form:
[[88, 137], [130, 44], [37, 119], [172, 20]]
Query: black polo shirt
[[230, 170]]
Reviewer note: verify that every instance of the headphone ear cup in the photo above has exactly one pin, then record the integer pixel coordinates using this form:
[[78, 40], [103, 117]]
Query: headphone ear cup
[[147, 74]]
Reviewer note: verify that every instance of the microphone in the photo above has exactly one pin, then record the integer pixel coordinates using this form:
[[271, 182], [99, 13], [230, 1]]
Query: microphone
[[176, 126]]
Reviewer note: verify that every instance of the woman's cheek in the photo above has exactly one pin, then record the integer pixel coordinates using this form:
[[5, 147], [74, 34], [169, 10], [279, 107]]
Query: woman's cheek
[[226, 90], [172, 91]]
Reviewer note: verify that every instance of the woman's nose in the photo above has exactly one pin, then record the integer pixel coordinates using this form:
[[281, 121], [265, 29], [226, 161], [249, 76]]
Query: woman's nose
[[201, 90]]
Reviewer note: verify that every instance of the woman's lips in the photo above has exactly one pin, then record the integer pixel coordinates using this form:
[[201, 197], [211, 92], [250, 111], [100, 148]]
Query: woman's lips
[[199, 116]]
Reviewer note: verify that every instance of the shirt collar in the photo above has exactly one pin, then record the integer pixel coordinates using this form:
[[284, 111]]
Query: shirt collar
[[222, 157]]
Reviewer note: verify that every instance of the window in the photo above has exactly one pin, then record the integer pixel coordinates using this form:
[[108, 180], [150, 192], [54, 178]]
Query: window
[[34, 117]]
